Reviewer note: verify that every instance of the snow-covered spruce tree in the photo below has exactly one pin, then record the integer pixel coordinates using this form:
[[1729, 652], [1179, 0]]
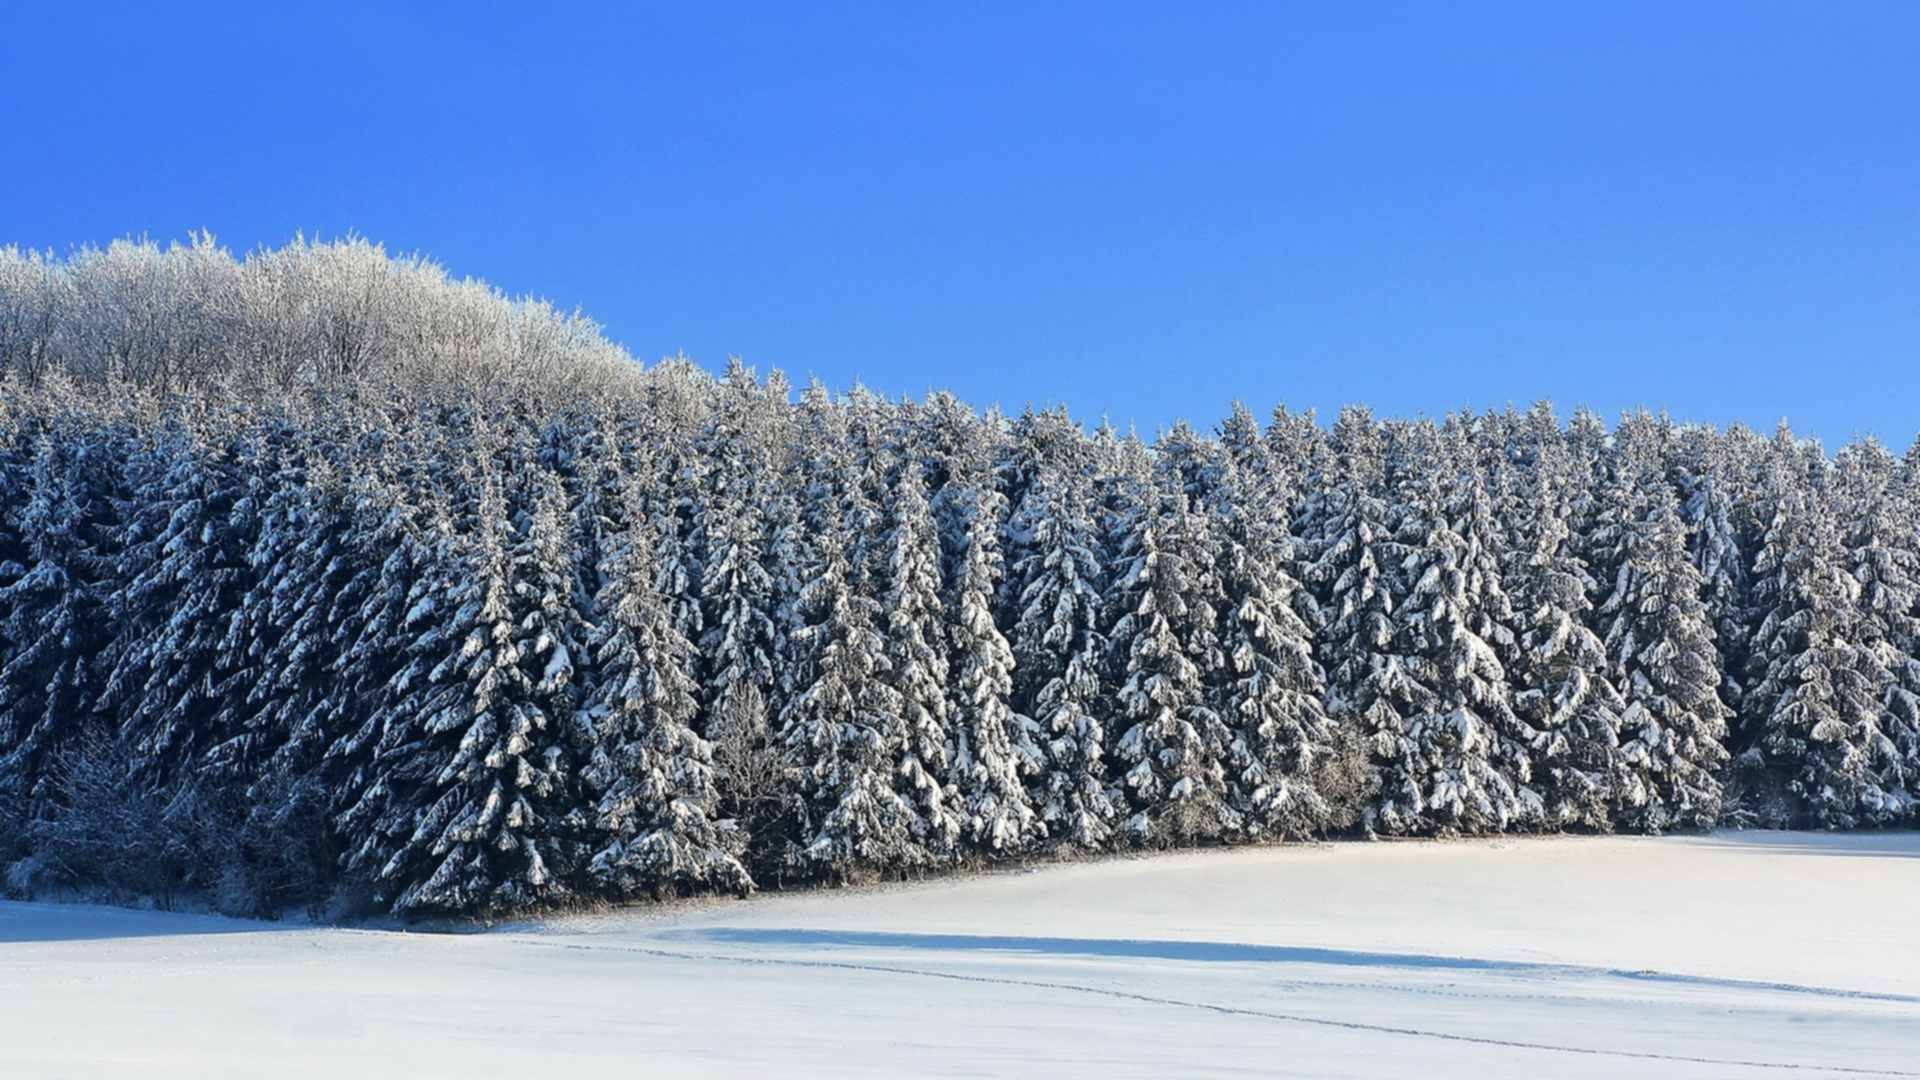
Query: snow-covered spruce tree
[[1660, 644], [52, 619], [1186, 462], [1463, 763], [841, 727], [1355, 561], [470, 761], [995, 749], [651, 818], [1706, 477], [1883, 550], [549, 597], [391, 595], [177, 580], [1273, 693], [1563, 683], [912, 620], [1814, 708], [300, 567], [1172, 743], [678, 472], [1296, 452], [737, 651], [1059, 650]]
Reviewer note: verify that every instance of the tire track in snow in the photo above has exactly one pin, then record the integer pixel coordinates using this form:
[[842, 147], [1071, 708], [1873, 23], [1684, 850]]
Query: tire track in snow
[[1228, 1010]]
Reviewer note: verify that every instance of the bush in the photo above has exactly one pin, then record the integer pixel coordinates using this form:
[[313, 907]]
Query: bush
[[285, 855], [246, 853], [13, 828], [134, 837]]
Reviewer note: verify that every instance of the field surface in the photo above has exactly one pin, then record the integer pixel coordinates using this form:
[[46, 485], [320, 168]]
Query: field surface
[[1732, 955]]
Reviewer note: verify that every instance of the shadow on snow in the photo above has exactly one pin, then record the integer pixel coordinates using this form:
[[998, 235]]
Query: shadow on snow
[[1234, 953]]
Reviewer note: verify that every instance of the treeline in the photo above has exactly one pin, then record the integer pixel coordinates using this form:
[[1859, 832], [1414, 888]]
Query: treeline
[[454, 605]]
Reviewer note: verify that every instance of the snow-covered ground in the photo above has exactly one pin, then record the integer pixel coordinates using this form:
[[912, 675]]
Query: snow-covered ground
[[1740, 954]]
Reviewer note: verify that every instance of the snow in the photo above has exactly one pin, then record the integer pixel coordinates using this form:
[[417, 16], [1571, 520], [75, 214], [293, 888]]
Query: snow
[[1728, 955]]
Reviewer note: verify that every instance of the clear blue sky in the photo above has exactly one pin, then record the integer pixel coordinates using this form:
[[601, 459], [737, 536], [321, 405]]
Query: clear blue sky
[[1708, 207]]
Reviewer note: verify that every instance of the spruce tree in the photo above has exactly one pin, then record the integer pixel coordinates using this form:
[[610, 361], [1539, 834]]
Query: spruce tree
[[995, 749], [52, 618], [178, 576], [1172, 741], [471, 760], [1059, 651], [841, 728], [1877, 511], [1659, 642], [1814, 704], [912, 618], [1371, 691], [651, 819], [1463, 762], [1564, 688], [1274, 690]]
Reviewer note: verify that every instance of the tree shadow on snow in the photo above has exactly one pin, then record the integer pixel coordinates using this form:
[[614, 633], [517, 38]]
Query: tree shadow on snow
[[1892, 844], [24, 923], [1228, 952]]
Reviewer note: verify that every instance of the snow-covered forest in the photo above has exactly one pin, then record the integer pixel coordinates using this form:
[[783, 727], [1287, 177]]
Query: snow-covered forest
[[321, 571]]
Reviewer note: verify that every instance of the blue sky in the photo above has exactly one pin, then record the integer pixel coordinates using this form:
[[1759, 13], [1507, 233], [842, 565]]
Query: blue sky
[[1141, 211]]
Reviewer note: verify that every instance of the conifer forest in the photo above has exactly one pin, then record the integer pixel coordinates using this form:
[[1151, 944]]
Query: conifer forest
[[324, 573]]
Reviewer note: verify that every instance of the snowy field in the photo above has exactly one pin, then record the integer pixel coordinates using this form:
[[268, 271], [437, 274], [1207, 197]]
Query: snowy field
[[1740, 954]]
